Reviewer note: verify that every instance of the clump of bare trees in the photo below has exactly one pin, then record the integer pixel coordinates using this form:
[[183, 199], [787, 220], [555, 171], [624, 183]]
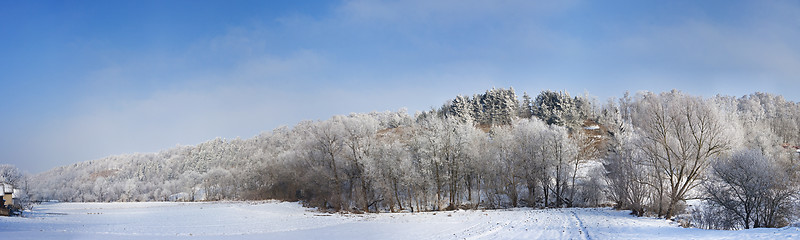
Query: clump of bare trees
[[750, 190], [669, 147]]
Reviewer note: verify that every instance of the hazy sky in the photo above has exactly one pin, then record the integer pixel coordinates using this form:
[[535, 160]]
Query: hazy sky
[[80, 80]]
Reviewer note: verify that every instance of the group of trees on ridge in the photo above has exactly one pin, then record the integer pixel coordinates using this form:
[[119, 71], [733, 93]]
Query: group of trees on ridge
[[648, 152]]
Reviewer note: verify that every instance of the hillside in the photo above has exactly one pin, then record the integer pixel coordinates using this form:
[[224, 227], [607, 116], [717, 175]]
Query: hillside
[[488, 151]]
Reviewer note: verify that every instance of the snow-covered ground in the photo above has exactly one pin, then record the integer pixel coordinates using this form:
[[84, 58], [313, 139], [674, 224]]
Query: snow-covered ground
[[282, 220]]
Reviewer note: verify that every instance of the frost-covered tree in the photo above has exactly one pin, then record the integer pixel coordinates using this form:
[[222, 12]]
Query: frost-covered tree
[[531, 153], [504, 172], [749, 187], [586, 149], [359, 140], [462, 109], [562, 151], [627, 172], [680, 135], [500, 106], [11, 174], [494, 107], [393, 170], [324, 148], [526, 106], [560, 109]]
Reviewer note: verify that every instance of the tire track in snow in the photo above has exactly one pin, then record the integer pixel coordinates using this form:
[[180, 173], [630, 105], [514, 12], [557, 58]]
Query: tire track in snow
[[581, 228], [486, 230]]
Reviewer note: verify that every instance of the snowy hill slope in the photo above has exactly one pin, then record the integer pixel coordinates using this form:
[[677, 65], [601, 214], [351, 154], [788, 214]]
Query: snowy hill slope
[[274, 220]]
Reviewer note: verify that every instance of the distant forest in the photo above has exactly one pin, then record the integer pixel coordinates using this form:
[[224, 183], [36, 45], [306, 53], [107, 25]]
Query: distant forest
[[645, 152]]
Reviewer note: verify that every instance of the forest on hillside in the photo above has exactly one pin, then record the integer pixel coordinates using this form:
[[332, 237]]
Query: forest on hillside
[[645, 152]]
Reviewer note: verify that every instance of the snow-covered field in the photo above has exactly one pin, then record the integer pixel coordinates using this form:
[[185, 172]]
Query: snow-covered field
[[282, 220]]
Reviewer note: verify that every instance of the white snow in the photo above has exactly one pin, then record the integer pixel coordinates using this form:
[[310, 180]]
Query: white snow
[[592, 127], [282, 220]]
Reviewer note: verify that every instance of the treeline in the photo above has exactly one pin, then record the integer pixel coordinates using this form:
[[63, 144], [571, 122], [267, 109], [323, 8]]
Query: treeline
[[647, 153]]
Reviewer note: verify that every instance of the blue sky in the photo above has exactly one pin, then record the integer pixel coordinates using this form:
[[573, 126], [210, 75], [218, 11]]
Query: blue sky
[[80, 80]]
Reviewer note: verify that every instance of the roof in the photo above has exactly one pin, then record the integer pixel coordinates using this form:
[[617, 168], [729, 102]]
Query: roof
[[17, 193], [8, 188]]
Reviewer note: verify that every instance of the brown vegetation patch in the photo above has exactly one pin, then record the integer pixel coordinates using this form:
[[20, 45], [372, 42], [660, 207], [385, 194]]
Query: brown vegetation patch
[[104, 174]]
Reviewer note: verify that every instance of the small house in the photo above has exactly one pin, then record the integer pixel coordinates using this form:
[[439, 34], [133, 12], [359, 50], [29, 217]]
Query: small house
[[8, 194]]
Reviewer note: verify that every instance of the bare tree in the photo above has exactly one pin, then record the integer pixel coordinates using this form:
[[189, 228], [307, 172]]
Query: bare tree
[[561, 151], [755, 190], [587, 149], [530, 153], [681, 133], [360, 132], [325, 145], [627, 174]]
